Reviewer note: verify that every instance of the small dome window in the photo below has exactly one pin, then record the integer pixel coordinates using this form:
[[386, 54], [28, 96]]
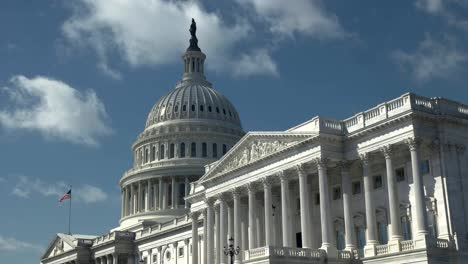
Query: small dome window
[[176, 108], [193, 107], [182, 150], [209, 108], [201, 108], [217, 110], [230, 114], [204, 150], [224, 111], [184, 108]]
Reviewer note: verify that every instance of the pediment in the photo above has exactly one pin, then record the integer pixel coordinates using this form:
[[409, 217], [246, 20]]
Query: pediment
[[255, 146], [59, 245]]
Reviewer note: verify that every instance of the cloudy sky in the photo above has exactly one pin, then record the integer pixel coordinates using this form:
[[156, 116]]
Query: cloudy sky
[[77, 79]]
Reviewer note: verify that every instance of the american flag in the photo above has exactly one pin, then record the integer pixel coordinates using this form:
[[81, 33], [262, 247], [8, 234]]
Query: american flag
[[65, 196]]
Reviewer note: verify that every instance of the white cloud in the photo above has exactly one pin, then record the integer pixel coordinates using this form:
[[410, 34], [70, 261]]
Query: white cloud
[[90, 194], [152, 32], [307, 17], [13, 244], [257, 62], [432, 59], [54, 109], [26, 187], [431, 6]]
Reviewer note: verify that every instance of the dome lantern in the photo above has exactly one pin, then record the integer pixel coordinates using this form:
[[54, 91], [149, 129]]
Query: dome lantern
[[193, 58]]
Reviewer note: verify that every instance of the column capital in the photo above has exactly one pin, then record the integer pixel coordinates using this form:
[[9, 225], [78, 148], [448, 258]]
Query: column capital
[[251, 187], [236, 192], [300, 169], [413, 143], [387, 151], [345, 164], [216, 208], [267, 182], [321, 162], [222, 197], [282, 176], [209, 201], [194, 215], [364, 157]]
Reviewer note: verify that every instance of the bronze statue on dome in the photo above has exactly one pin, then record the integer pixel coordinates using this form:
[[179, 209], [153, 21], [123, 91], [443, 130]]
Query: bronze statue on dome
[[193, 40]]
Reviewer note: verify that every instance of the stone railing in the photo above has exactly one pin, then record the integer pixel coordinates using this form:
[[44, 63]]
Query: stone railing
[[382, 249], [358, 253], [387, 110], [304, 253], [342, 254], [104, 238], [407, 245], [442, 243]]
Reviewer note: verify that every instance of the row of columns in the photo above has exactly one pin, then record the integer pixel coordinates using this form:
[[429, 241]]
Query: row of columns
[[328, 243], [107, 259], [136, 197]]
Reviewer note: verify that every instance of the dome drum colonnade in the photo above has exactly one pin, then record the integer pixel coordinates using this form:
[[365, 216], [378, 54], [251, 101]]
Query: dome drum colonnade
[[190, 127], [217, 208]]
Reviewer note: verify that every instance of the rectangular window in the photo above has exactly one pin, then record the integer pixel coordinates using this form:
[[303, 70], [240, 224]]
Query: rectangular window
[[336, 193], [360, 237], [204, 150], [400, 174], [317, 198], [383, 235], [424, 167], [377, 181], [215, 150], [155, 258], [356, 187], [181, 252]]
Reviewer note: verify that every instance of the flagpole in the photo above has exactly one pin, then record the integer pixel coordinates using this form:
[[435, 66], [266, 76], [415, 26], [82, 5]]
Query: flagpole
[[69, 211]]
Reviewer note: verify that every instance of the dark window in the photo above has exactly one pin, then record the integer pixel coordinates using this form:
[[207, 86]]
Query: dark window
[[184, 108], [230, 114], [171, 151], [215, 150], [224, 149], [201, 108], [356, 187], [317, 198], [400, 174], [193, 107], [217, 110], [377, 181], [360, 237], [209, 108], [383, 233], [153, 153], [193, 149], [182, 150], [181, 252], [182, 192], [146, 155], [224, 111], [336, 193], [176, 108], [161, 152], [424, 167], [406, 228], [204, 150], [299, 240]]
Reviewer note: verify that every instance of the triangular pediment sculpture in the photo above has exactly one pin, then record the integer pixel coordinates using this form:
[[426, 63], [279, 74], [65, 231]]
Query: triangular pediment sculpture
[[255, 146]]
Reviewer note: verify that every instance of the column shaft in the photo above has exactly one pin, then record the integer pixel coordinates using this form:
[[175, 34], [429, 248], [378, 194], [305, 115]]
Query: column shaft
[[286, 225], [147, 200], [371, 232], [205, 234], [324, 205], [173, 193], [268, 213], [194, 238], [217, 224], [237, 225], [394, 205], [222, 230], [210, 233], [348, 218], [161, 191], [304, 206], [187, 190], [252, 223], [139, 198]]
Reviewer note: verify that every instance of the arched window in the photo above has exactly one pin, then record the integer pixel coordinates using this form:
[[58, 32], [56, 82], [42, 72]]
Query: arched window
[[209, 108], [146, 155], [215, 150], [204, 150], [193, 107], [176, 108], [224, 111], [184, 108], [193, 149], [217, 110], [230, 114], [201, 108], [193, 65], [153, 153], [224, 149], [182, 150], [161, 151], [171, 151]]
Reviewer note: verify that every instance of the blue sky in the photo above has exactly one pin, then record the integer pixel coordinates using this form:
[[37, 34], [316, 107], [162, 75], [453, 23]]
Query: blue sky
[[78, 78]]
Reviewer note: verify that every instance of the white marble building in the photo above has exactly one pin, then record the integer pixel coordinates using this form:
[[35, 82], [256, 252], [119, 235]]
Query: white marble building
[[387, 185]]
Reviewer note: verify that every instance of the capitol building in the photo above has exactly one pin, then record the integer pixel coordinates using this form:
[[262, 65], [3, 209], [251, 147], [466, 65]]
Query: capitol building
[[386, 185]]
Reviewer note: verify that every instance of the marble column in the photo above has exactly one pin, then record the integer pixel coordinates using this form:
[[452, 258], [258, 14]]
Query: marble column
[[217, 224], [174, 193], [139, 198], [325, 218], [210, 231], [194, 217], [115, 258], [419, 196], [348, 217], [230, 219], [205, 234], [393, 201], [122, 211], [371, 231], [187, 190], [305, 207], [148, 195], [155, 197], [161, 193], [252, 222], [125, 198], [268, 211], [237, 224], [286, 225], [222, 228]]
